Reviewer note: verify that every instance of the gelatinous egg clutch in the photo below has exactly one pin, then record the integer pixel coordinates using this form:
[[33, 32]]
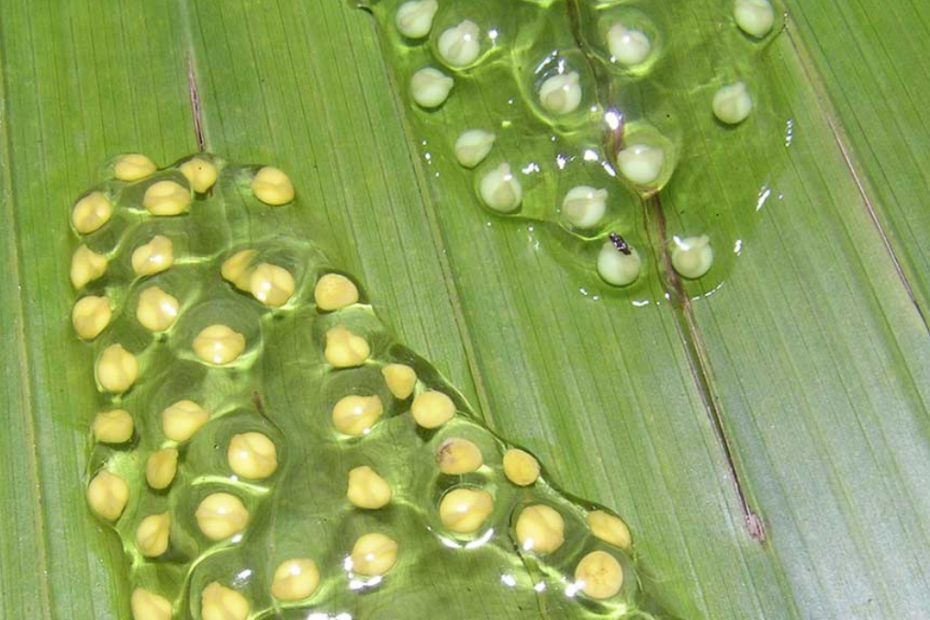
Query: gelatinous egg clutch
[[564, 113], [263, 444]]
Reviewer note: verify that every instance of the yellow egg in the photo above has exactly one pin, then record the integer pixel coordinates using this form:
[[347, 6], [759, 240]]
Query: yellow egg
[[133, 167], [200, 173], [153, 257], [166, 198], [221, 515], [113, 426], [345, 349], [152, 535], [117, 369], [458, 456], [520, 467], [91, 212], [540, 529], [334, 292], [373, 555], [107, 495], [355, 415], [272, 186], [400, 380], [610, 529], [252, 455], [90, 316], [86, 266], [219, 344], [599, 574], [218, 602], [161, 468], [367, 489], [295, 580], [465, 510], [271, 285], [432, 409], [147, 605]]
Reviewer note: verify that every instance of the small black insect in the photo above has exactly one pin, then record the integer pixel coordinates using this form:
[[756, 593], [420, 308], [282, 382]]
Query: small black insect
[[619, 243]]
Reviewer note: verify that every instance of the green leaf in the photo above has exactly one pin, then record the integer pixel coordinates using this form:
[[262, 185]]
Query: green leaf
[[806, 374]]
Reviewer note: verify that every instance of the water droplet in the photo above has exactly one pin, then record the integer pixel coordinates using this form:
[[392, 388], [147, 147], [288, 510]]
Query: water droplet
[[764, 194], [789, 132]]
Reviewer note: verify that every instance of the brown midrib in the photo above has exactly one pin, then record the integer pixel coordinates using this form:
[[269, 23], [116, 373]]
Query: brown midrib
[[686, 323]]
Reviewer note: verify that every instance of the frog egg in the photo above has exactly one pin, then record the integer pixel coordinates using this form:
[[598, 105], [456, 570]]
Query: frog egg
[[373, 555], [368, 490], [107, 495], [86, 266], [147, 605], [90, 316], [627, 46], [272, 285], [400, 380], [618, 268], [599, 575], [156, 310], [117, 369], [584, 206], [252, 455], [221, 515], [641, 163], [465, 510], [200, 173], [133, 167], [114, 426], [355, 415], [460, 45], [218, 602], [500, 190], [431, 409], [334, 291], [180, 421], [91, 212], [152, 535], [295, 580], [732, 104], [166, 198], [430, 87], [414, 19], [754, 17], [471, 147], [272, 186], [521, 468], [345, 349], [457, 456], [610, 529], [161, 468], [561, 94], [692, 257], [218, 344], [153, 257], [540, 529], [237, 269]]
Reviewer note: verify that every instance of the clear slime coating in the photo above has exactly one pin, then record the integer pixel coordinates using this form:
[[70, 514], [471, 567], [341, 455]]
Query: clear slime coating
[[263, 441], [573, 120]]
